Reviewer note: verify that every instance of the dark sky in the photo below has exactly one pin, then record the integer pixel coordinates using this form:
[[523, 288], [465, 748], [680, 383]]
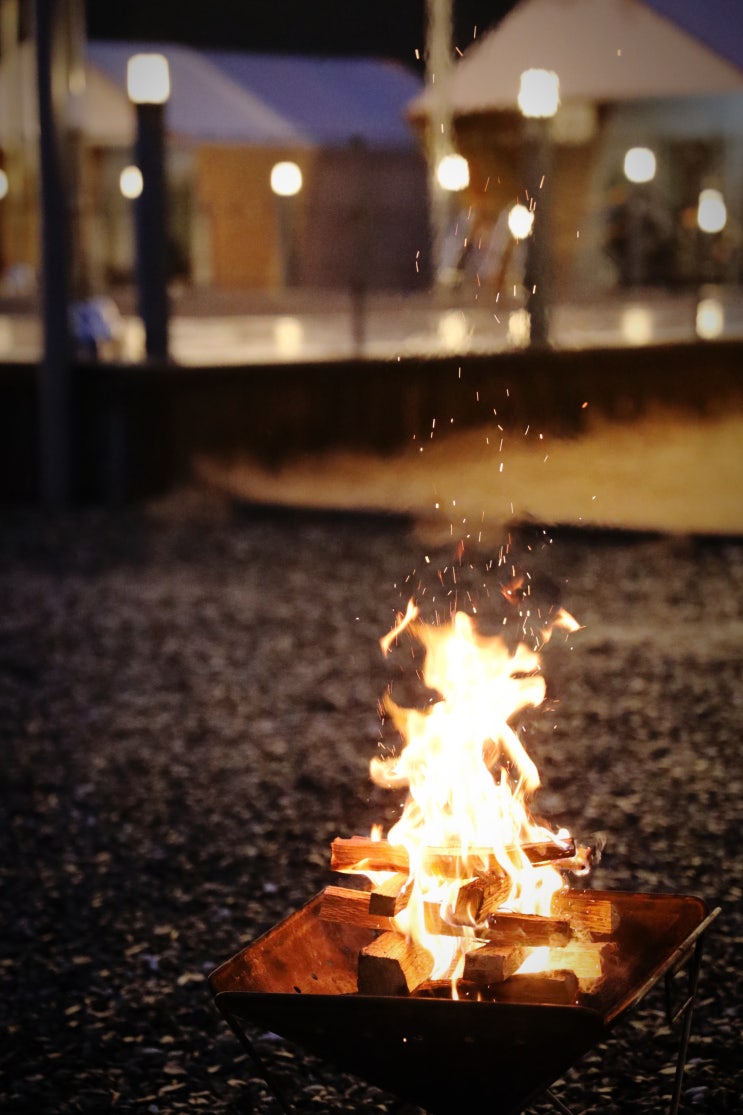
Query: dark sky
[[388, 28]]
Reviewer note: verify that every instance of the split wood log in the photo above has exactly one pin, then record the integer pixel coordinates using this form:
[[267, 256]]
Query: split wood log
[[393, 965], [480, 897], [492, 963], [586, 958], [539, 987], [391, 896], [586, 912], [357, 854], [504, 928], [352, 907]]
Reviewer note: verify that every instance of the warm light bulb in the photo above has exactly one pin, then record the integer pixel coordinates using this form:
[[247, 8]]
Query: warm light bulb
[[520, 221], [131, 182], [712, 212], [639, 164], [286, 179], [453, 173], [148, 79], [539, 93]]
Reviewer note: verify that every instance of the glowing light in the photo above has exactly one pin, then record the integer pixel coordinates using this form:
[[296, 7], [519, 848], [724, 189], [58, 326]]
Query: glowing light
[[519, 328], [148, 79], [710, 319], [286, 179], [712, 212], [639, 164], [131, 182], [453, 330], [520, 221], [453, 173], [636, 325], [3, 184], [288, 334], [539, 93]]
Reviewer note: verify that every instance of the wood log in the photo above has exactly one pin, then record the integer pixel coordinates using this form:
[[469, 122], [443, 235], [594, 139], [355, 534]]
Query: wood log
[[480, 897], [587, 959], [393, 965], [357, 854], [351, 906], [539, 987], [504, 928], [586, 912], [391, 896], [492, 963]]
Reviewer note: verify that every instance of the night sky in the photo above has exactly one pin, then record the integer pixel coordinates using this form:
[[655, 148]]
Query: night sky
[[387, 28]]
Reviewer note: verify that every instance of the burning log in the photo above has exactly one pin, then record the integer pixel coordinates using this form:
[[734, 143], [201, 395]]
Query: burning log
[[538, 987], [492, 963], [504, 928], [586, 912], [351, 906], [586, 959], [391, 896], [358, 854], [392, 965], [480, 897]]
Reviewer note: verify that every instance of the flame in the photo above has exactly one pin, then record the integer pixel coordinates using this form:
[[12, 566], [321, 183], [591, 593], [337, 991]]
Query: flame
[[469, 778]]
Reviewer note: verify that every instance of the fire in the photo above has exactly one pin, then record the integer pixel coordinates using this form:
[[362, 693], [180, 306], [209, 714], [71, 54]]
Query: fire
[[469, 781]]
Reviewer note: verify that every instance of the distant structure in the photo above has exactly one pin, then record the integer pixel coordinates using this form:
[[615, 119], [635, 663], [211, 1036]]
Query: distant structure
[[630, 79], [359, 217]]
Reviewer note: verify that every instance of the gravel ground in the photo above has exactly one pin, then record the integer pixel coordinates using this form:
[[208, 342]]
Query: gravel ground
[[188, 700]]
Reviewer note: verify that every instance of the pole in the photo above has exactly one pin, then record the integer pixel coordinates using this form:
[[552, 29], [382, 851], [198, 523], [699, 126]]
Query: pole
[[151, 229], [538, 257], [439, 122], [54, 383]]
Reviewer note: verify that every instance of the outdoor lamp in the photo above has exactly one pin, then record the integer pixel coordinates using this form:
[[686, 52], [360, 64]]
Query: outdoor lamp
[[453, 173], [539, 93], [131, 182], [712, 212], [286, 183], [148, 86], [639, 164], [286, 179], [148, 79], [539, 99], [520, 221]]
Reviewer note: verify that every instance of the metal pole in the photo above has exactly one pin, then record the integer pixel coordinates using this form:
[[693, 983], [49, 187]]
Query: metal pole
[[151, 229], [538, 258], [439, 127], [54, 382]]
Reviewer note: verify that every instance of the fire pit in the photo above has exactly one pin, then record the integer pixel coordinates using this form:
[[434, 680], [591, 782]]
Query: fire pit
[[466, 972], [299, 980]]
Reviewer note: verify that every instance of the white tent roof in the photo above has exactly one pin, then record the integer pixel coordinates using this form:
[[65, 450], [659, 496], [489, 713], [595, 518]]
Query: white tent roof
[[602, 50]]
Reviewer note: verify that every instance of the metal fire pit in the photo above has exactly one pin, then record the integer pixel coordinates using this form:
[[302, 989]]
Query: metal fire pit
[[299, 981]]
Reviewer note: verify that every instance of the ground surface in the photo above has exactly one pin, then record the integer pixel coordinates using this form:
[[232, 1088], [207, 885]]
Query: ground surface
[[187, 711]]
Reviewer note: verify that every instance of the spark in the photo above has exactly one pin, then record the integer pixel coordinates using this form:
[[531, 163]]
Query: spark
[[583, 406], [541, 182]]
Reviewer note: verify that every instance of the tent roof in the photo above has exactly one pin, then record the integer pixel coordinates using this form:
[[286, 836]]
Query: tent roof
[[332, 100], [602, 50], [204, 103]]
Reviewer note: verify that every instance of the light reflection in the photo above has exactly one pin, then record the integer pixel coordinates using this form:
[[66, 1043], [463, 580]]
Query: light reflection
[[288, 335], [636, 325], [710, 319]]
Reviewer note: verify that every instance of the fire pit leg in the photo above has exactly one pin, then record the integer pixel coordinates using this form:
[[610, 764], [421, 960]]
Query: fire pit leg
[[684, 1010], [557, 1102], [261, 1067]]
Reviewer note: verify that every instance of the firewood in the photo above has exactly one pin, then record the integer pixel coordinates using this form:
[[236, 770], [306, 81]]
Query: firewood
[[492, 963], [586, 912], [392, 965], [352, 907], [357, 854], [480, 897], [539, 987], [504, 928], [391, 896], [586, 958]]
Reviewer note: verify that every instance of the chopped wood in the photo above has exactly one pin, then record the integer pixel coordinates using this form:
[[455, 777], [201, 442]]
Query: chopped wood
[[504, 928], [352, 907], [586, 958], [538, 987], [357, 854], [586, 912], [480, 897], [391, 896], [393, 965], [492, 963]]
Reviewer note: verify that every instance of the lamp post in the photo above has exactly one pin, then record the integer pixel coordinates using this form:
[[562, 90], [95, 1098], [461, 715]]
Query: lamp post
[[148, 86], [639, 169], [538, 99], [286, 183]]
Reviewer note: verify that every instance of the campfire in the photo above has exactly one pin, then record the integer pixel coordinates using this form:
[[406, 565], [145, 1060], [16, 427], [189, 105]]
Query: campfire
[[469, 889], [462, 949]]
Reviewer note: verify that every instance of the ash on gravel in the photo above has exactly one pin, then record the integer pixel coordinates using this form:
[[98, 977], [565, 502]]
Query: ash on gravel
[[188, 706]]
